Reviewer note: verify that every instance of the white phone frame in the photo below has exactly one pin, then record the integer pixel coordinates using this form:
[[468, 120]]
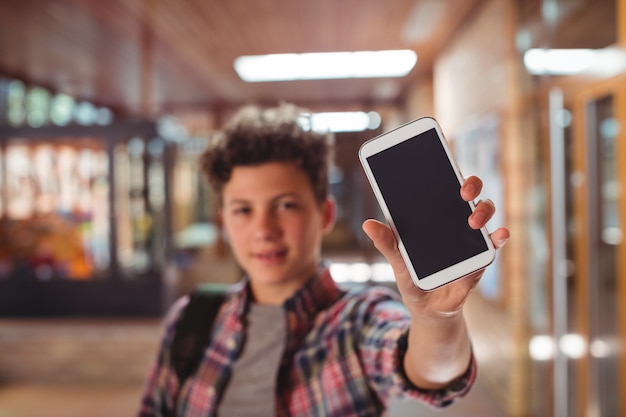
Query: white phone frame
[[386, 140]]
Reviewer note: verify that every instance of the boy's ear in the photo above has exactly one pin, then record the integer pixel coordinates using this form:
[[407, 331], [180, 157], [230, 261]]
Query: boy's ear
[[329, 213]]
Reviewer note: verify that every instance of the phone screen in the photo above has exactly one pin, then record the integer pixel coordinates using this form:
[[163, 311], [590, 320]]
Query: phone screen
[[422, 193]]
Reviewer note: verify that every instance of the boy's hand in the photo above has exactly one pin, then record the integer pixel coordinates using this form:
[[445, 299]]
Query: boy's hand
[[448, 299]]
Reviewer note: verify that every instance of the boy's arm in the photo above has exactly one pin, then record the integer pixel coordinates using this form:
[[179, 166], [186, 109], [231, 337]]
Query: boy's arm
[[439, 349]]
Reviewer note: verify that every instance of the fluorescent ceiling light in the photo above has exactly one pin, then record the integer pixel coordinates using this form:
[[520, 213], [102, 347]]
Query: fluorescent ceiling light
[[331, 65], [357, 121], [558, 61], [605, 61]]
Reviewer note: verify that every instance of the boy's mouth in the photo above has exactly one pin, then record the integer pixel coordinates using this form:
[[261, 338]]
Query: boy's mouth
[[272, 256]]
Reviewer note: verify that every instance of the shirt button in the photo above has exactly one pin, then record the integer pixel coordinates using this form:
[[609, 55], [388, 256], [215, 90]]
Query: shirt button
[[211, 391], [230, 343]]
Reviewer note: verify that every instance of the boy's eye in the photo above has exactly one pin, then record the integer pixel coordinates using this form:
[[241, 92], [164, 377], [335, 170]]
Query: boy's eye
[[288, 205], [241, 210]]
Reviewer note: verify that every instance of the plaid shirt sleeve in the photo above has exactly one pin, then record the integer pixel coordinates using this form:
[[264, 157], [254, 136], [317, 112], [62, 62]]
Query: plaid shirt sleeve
[[384, 343], [162, 383]]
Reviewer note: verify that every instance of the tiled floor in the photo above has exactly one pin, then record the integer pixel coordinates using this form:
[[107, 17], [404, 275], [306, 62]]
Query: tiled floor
[[122, 401], [68, 401]]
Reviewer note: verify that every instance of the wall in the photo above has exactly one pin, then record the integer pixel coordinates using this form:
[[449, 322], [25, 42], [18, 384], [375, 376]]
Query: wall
[[471, 77], [477, 82], [419, 100]]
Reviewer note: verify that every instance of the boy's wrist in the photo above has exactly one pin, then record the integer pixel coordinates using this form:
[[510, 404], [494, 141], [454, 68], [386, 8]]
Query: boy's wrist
[[424, 316]]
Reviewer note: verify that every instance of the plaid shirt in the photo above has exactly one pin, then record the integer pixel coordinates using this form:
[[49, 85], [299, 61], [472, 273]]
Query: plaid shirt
[[343, 356]]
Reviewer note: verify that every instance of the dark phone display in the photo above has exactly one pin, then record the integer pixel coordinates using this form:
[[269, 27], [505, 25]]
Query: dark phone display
[[423, 196]]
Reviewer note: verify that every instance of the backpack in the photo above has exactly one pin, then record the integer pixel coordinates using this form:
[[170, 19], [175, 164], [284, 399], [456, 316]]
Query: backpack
[[194, 328]]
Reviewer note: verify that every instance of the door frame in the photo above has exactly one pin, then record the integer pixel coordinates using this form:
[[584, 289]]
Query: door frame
[[579, 100]]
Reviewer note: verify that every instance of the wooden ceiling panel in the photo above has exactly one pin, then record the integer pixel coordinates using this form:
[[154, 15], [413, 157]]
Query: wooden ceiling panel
[[144, 57], [576, 24]]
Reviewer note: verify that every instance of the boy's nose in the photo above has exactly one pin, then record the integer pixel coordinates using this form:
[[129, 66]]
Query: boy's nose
[[267, 226]]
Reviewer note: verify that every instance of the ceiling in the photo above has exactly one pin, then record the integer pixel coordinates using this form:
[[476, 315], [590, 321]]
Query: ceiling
[[148, 57]]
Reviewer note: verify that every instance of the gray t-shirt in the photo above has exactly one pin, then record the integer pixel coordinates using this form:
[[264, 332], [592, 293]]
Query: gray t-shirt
[[252, 386]]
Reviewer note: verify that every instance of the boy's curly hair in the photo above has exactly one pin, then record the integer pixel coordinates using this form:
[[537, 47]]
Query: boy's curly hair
[[256, 135]]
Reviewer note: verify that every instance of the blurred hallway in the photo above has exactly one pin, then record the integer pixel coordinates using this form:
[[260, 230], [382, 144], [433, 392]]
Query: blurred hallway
[[106, 108]]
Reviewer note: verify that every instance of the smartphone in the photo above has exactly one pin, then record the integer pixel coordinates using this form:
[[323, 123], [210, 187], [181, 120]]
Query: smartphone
[[418, 186]]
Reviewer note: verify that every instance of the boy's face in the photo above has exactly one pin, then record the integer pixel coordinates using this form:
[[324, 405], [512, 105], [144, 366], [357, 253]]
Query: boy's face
[[275, 226]]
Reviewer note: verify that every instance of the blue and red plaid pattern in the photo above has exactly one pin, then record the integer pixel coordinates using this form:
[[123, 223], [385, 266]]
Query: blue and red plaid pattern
[[343, 356]]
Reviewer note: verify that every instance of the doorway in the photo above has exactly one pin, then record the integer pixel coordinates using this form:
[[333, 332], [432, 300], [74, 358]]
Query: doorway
[[587, 276]]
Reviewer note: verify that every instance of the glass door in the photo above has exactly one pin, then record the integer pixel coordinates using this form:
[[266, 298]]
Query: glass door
[[604, 236], [586, 144], [588, 276]]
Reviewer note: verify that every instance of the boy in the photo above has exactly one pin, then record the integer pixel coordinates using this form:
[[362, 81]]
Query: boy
[[287, 340]]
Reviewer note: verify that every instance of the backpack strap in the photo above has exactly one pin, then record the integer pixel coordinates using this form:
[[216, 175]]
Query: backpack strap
[[194, 328]]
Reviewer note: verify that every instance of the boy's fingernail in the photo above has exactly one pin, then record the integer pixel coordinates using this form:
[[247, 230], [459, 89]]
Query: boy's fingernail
[[479, 217]]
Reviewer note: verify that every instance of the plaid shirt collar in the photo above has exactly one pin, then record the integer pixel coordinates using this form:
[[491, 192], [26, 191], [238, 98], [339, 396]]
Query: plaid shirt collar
[[319, 293]]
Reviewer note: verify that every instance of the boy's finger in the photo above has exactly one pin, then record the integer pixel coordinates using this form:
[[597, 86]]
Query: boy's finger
[[485, 209], [471, 188]]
